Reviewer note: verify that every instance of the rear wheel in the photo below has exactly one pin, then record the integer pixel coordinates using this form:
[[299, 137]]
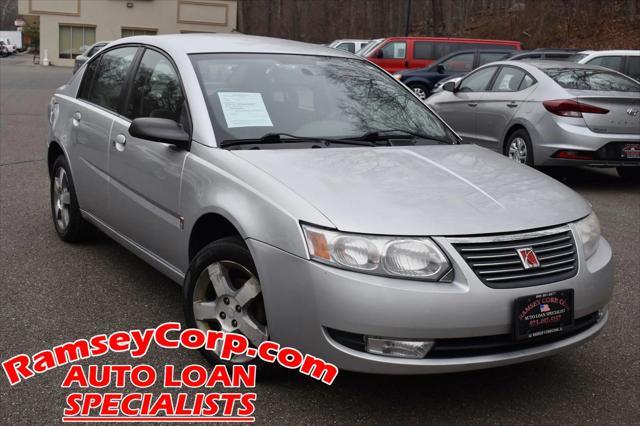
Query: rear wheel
[[629, 173], [222, 292], [67, 219], [420, 89], [518, 147]]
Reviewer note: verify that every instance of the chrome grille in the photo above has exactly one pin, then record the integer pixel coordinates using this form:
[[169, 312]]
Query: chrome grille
[[495, 260]]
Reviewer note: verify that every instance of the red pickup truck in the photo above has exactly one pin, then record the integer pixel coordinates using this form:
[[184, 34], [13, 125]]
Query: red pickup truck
[[398, 53]]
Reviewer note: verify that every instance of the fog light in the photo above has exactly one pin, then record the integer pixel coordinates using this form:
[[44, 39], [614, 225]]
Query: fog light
[[398, 348]]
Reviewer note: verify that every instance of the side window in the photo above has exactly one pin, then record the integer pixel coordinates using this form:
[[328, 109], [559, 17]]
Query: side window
[[110, 76], [394, 50], [156, 90], [459, 63], [527, 81], [612, 62], [478, 81], [485, 58], [633, 67], [87, 79], [508, 80], [349, 47], [422, 50]]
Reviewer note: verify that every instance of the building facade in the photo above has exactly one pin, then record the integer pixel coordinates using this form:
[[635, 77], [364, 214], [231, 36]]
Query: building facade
[[68, 27]]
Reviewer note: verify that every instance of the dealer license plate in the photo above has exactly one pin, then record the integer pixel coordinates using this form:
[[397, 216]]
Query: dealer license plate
[[543, 314], [631, 150]]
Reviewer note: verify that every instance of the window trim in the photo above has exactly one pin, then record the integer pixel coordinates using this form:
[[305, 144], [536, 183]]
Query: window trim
[[406, 50], [129, 78], [99, 58], [495, 77], [489, 84], [134, 70]]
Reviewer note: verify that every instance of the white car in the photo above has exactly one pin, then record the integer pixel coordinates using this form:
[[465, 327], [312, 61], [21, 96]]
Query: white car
[[11, 48], [350, 45], [624, 61]]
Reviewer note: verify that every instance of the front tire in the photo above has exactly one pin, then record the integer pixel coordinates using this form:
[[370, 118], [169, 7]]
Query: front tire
[[420, 89], [222, 292], [629, 173], [519, 148], [65, 211]]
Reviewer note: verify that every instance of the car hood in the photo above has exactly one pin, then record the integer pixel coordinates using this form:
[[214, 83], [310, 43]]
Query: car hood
[[423, 190]]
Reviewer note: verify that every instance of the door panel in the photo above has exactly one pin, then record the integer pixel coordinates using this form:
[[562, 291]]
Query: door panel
[[144, 190], [91, 120], [460, 108], [89, 155], [145, 176], [394, 56], [499, 105]]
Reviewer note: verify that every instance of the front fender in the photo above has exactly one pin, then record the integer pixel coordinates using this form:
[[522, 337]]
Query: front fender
[[261, 208]]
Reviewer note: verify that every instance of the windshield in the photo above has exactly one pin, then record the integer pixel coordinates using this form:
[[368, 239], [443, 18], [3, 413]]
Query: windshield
[[369, 47], [588, 79], [251, 95]]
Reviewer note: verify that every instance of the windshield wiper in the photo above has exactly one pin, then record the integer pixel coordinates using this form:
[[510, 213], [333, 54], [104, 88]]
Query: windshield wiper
[[388, 133], [274, 138]]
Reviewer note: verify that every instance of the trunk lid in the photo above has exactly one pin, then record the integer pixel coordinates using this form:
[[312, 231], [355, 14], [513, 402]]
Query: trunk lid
[[624, 111]]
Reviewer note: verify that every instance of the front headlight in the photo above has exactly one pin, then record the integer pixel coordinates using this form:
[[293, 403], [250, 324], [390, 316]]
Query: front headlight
[[401, 257], [589, 232]]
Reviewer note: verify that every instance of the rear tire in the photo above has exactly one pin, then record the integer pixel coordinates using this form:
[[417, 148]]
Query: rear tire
[[420, 89], [65, 211], [519, 148], [629, 173]]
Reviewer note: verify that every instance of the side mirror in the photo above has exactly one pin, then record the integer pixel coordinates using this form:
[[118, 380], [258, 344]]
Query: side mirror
[[449, 86], [440, 69], [379, 54], [161, 130]]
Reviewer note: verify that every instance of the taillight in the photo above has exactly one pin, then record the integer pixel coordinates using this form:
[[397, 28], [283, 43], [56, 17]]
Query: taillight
[[573, 155], [571, 108]]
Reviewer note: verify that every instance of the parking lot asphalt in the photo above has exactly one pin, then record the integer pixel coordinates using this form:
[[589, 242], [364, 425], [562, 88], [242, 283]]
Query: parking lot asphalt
[[52, 292]]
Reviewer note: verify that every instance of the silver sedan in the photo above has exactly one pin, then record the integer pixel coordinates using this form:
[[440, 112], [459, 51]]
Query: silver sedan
[[301, 194], [547, 113]]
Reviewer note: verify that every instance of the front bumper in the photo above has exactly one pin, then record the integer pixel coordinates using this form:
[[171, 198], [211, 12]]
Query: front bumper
[[305, 299], [553, 134]]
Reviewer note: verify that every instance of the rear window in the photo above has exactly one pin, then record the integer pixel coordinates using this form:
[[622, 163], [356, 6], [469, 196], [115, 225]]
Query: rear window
[[585, 79]]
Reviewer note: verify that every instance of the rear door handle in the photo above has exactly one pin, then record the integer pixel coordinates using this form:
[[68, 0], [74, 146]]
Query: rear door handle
[[76, 118], [119, 142], [472, 104], [512, 105]]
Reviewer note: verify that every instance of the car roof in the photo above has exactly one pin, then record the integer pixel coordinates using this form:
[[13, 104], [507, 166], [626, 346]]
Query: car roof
[[532, 65], [176, 44], [610, 52], [342, 40]]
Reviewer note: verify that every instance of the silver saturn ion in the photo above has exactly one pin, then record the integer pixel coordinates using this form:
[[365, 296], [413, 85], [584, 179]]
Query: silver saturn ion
[[301, 194]]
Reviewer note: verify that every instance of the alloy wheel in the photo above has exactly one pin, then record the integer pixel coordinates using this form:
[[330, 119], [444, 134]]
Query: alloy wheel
[[61, 199], [518, 150], [228, 297], [420, 92]]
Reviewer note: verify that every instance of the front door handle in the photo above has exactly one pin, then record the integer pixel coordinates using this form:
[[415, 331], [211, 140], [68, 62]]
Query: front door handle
[[472, 104], [119, 142], [512, 105]]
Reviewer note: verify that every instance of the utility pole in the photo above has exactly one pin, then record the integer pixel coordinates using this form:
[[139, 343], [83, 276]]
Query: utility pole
[[408, 21]]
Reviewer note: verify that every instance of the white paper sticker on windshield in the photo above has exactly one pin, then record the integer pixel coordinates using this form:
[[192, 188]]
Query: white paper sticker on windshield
[[244, 109]]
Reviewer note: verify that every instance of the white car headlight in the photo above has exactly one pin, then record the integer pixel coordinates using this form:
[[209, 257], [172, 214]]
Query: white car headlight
[[589, 232], [401, 257]]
